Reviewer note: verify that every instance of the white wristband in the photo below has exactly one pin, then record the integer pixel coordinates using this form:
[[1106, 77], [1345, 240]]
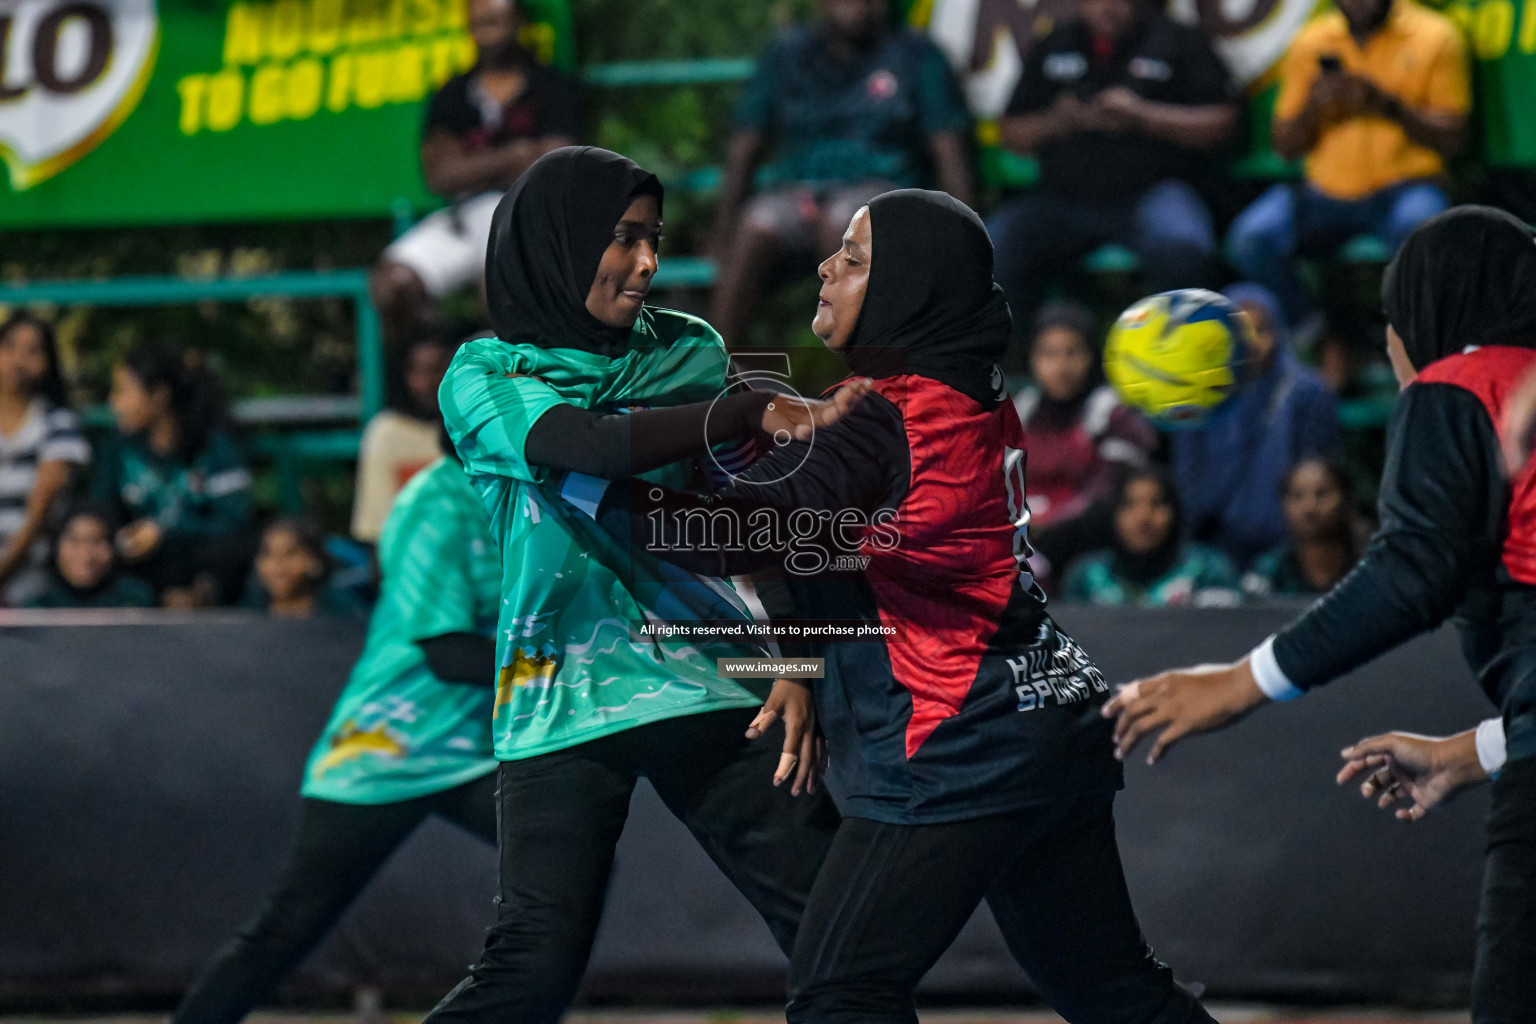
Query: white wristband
[[1490, 746], [585, 492], [1268, 674]]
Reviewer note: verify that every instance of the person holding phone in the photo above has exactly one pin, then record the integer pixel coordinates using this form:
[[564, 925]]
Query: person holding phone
[[1374, 97]]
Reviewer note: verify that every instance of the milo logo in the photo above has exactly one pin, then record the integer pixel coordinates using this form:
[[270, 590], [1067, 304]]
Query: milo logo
[[70, 72]]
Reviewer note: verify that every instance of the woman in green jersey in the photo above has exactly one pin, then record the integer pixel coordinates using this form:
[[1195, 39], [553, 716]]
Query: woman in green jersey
[[584, 376], [408, 739]]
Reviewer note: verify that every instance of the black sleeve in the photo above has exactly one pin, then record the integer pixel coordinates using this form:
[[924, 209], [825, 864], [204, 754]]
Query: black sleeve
[[1442, 509], [619, 445], [559, 105], [450, 110], [859, 464], [1034, 91], [461, 658], [1203, 77]]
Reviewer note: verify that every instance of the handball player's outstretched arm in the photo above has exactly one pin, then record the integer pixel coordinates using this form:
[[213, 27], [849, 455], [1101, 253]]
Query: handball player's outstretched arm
[[1442, 503], [1417, 772], [621, 445]]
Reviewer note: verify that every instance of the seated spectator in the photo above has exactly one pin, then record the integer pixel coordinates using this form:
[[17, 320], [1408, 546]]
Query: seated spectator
[[40, 448], [1120, 105], [848, 108], [1326, 536], [1147, 563], [85, 571], [293, 572], [398, 442], [177, 478], [483, 129], [1231, 470], [1079, 437], [1375, 95]]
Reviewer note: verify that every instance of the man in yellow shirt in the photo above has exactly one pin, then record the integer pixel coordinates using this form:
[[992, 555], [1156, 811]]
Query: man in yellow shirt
[[1375, 96]]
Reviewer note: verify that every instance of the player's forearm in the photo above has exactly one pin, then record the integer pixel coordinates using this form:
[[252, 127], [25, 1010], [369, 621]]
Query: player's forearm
[[623, 445], [1406, 584], [466, 658]]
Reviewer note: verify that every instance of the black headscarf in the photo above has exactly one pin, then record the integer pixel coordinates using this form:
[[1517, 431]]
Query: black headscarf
[[547, 238], [931, 307], [1464, 277]]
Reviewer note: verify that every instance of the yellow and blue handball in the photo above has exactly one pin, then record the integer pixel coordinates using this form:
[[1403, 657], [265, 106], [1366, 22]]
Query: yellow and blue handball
[[1177, 356]]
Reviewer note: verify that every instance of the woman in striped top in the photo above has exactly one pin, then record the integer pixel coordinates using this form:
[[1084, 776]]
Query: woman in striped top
[[40, 446]]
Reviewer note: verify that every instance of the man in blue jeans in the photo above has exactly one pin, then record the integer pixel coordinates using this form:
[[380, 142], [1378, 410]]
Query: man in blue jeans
[[1118, 105], [1375, 95]]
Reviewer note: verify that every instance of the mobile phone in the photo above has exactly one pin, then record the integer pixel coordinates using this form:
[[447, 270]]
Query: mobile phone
[[1329, 63]]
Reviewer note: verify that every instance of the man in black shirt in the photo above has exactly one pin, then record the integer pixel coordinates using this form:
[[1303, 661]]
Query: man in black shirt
[[1118, 105], [483, 129]]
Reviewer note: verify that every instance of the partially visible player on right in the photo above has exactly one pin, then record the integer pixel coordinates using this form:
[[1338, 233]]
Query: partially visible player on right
[[1457, 540]]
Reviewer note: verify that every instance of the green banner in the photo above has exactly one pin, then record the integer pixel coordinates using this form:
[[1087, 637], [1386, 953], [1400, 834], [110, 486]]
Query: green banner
[[138, 112]]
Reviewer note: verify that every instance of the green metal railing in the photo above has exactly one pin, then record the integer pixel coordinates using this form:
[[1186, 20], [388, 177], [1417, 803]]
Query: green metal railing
[[162, 291]]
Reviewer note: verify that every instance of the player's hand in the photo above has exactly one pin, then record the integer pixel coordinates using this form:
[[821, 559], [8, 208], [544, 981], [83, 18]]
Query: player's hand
[[1415, 772], [790, 416], [791, 700], [138, 539], [1178, 703]]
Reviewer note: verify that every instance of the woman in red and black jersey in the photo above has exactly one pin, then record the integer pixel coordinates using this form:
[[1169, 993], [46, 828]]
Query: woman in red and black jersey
[[967, 750], [1457, 540]]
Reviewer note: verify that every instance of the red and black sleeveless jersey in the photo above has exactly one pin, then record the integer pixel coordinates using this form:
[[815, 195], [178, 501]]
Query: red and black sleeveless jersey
[[977, 704], [1457, 538]]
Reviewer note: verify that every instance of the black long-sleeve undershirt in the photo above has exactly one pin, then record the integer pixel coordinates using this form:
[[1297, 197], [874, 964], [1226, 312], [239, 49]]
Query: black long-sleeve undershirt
[[1442, 508], [467, 658], [859, 464], [618, 445]]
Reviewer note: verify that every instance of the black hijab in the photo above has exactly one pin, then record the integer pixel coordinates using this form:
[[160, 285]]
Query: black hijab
[[1147, 567], [547, 238], [1464, 277], [931, 307]]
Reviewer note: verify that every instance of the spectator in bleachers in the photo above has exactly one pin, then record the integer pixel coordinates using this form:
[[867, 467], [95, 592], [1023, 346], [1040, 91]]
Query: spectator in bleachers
[[293, 572], [483, 129], [1375, 95], [40, 449], [848, 108], [1079, 437], [399, 441], [1231, 470], [178, 478], [85, 572], [1120, 105], [1148, 564], [1326, 536]]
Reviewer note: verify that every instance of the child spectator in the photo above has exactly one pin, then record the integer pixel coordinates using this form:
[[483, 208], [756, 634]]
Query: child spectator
[[178, 478], [1326, 535], [1375, 95], [849, 108], [293, 573], [85, 571], [1079, 439], [1147, 564], [398, 442], [1231, 470], [40, 448]]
